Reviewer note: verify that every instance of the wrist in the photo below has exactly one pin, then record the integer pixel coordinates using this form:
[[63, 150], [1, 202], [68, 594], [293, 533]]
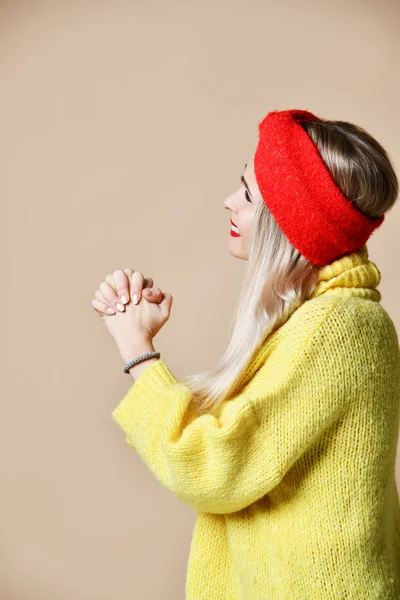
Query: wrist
[[138, 347]]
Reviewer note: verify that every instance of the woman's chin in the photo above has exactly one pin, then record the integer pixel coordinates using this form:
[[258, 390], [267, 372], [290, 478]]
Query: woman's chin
[[236, 248], [237, 254]]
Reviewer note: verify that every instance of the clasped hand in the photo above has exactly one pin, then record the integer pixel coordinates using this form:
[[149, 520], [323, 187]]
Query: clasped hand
[[135, 322]]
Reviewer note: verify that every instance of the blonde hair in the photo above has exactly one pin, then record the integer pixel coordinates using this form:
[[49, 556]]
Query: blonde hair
[[278, 278]]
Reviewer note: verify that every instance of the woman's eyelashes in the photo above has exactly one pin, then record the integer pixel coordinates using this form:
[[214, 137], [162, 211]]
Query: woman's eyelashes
[[246, 193]]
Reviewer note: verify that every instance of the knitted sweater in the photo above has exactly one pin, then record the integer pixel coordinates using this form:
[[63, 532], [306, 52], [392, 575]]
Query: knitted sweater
[[294, 482]]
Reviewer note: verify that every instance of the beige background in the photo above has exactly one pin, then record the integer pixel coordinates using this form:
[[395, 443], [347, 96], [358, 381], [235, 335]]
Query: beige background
[[124, 125]]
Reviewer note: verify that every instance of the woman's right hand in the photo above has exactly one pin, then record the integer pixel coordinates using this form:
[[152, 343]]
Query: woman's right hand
[[119, 288]]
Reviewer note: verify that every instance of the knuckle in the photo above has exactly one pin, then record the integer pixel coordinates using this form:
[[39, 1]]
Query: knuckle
[[107, 291], [110, 280], [137, 276], [136, 283], [120, 278]]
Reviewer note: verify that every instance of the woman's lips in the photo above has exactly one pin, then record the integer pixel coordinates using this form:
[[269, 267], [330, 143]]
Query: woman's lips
[[234, 233]]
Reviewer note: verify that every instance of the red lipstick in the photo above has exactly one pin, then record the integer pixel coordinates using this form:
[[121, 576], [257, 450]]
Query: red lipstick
[[234, 233]]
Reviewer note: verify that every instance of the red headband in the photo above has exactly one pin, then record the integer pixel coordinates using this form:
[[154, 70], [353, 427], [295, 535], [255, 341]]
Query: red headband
[[301, 194]]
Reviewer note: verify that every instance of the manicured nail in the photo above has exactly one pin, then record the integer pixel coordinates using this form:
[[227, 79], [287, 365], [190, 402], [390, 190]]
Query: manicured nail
[[135, 298], [124, 299], [111, 310], [120, 307]]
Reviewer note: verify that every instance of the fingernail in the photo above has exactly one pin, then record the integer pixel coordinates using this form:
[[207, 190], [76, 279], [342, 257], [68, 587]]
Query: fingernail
[[149, 292], [120, 307], [135, 298], [111, 310], [124, 299]]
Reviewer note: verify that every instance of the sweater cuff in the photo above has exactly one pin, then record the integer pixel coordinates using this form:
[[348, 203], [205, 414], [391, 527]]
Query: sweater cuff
[[151, 383]]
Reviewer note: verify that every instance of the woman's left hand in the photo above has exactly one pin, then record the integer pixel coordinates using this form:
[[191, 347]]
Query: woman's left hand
[[138, 322]]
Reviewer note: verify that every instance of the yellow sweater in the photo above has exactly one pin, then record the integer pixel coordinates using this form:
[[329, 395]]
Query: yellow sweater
[[294, 482]]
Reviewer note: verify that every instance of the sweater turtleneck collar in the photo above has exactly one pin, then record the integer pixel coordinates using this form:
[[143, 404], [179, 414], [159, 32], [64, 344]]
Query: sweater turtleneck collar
[[350, 275]]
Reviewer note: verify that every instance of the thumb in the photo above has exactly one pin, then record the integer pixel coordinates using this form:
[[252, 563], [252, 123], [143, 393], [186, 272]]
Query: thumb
[[152, 294], [166, 303]]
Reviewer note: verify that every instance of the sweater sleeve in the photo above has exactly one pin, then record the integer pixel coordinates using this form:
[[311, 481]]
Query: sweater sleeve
[[223, 464]]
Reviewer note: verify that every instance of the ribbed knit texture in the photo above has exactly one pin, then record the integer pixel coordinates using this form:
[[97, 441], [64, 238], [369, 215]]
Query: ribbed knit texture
[[294, 481]]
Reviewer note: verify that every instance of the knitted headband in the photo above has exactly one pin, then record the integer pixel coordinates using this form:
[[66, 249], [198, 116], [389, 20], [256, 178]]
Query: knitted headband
[[301, 194]]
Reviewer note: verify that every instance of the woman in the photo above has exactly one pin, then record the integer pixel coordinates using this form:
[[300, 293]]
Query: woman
[[287, 448]]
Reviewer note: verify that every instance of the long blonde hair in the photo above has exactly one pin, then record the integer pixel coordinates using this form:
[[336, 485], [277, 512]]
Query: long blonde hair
[[278, 278]]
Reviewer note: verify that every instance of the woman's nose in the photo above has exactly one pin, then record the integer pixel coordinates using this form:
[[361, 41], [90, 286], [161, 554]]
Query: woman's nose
[[228, 204]]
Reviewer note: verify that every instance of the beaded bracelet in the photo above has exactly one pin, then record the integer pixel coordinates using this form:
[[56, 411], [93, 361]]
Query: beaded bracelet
[[140, 359]]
